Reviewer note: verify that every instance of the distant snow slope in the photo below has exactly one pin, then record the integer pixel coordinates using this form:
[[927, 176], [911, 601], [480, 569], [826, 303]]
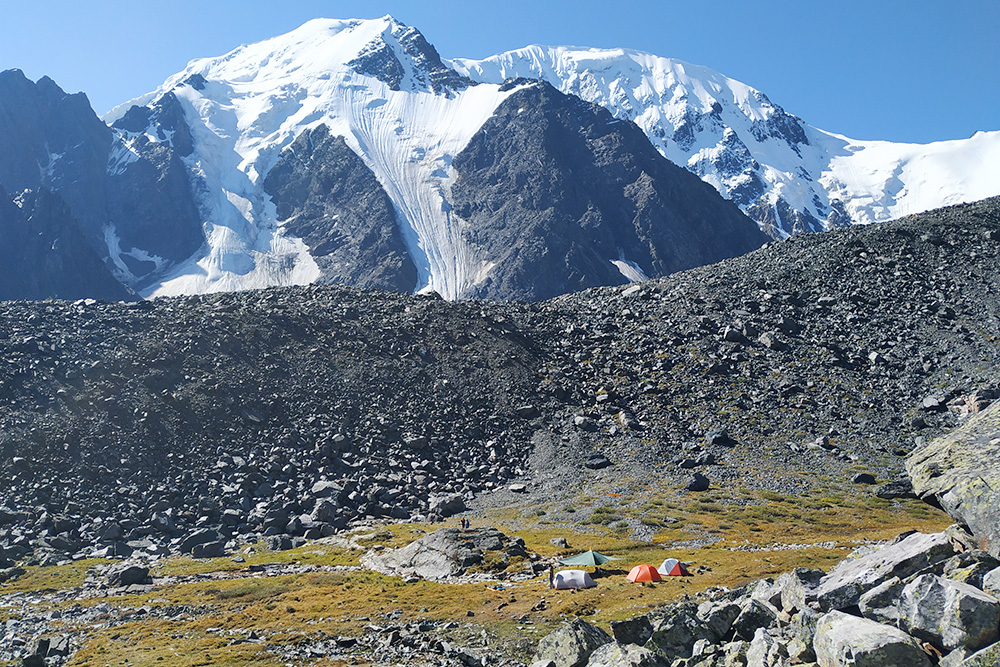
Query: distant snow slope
[[246, 106], [789, 176]]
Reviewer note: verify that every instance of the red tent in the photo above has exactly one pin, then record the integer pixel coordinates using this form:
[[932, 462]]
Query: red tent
[[642, 573]]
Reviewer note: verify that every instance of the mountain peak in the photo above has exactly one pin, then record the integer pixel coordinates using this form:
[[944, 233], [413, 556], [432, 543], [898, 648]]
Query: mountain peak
[[401, 57]]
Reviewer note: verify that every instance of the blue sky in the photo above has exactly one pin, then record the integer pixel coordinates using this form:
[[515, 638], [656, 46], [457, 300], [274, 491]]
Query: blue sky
[[913, 70]]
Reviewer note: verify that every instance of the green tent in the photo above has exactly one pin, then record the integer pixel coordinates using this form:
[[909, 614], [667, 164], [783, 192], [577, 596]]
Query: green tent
[[587, 558]]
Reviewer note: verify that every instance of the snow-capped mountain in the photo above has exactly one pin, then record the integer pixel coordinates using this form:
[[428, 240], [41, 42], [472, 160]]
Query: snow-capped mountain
[[350, 152], [785, 174], [381, 87], [377, 84]]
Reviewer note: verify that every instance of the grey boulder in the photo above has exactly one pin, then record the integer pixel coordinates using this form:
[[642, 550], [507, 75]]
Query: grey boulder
[[571, 644], [949, 614], [843, 586], [991, 582], [625, 655], [843, 640], [958, 472], [676, 629], [447, 505], [444, 553]]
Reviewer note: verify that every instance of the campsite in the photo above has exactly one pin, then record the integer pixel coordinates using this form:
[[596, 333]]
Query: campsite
[[573, 579]]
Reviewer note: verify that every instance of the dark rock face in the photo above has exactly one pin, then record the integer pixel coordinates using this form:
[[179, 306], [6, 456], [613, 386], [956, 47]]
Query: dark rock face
[[332, 201], [54, 140], [119, 181], [43, 253], [150, 197], [555, 190], [423, 64], [780, 218]]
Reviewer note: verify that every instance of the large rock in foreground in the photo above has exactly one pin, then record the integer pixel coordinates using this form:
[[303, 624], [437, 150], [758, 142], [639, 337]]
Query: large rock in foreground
[[949, 614], [446, 553], [845, 584], [842, 640], [572, 644], [958, 472]]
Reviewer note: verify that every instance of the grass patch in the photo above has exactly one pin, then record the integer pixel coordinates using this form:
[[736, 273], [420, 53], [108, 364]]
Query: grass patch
[[59, 578], [289, 608]]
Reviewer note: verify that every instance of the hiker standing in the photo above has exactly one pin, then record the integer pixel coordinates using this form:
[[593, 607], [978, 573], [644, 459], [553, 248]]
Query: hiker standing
[[552, 575]]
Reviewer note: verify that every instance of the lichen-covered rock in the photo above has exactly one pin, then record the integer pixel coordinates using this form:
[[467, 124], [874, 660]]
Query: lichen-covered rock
[[970, 567], [843, 640], [991, 582], [632, 631], [881, 604], [444, 553], [988, 657], [572, 644], [625, 655], [719, 615], [949, 614], [676, 629], [958, 472], [765, 650], [843, 586], [797, 585], [754, 614]]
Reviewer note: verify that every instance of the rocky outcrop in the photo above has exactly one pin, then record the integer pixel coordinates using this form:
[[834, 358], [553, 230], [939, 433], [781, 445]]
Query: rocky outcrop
[[151, 203], [555, 191], [422, 66], [447, 553], [326, 196], [958, 473], [845, 584], [50, 139], [130, 198]]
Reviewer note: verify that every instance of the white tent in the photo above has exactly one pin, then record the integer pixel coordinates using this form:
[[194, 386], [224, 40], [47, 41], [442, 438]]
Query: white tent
[[672, 567], [572, 579]]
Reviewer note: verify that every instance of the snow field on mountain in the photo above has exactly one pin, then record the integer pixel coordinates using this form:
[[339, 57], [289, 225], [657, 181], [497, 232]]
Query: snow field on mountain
[[881, 180]]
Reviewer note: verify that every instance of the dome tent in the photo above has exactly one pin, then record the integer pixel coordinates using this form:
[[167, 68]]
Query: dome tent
[[565, 579], [672, 567], [642, 573]]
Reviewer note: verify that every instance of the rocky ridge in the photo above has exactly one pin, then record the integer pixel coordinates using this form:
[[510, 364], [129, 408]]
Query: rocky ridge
[[130, 199], [190, 424], [595, 204]]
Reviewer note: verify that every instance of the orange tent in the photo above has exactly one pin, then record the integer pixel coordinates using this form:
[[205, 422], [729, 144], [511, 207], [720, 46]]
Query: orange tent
[[642, 573]]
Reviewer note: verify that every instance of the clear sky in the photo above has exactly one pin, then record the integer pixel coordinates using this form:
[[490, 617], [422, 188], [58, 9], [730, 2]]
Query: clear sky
[[900, 70]]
